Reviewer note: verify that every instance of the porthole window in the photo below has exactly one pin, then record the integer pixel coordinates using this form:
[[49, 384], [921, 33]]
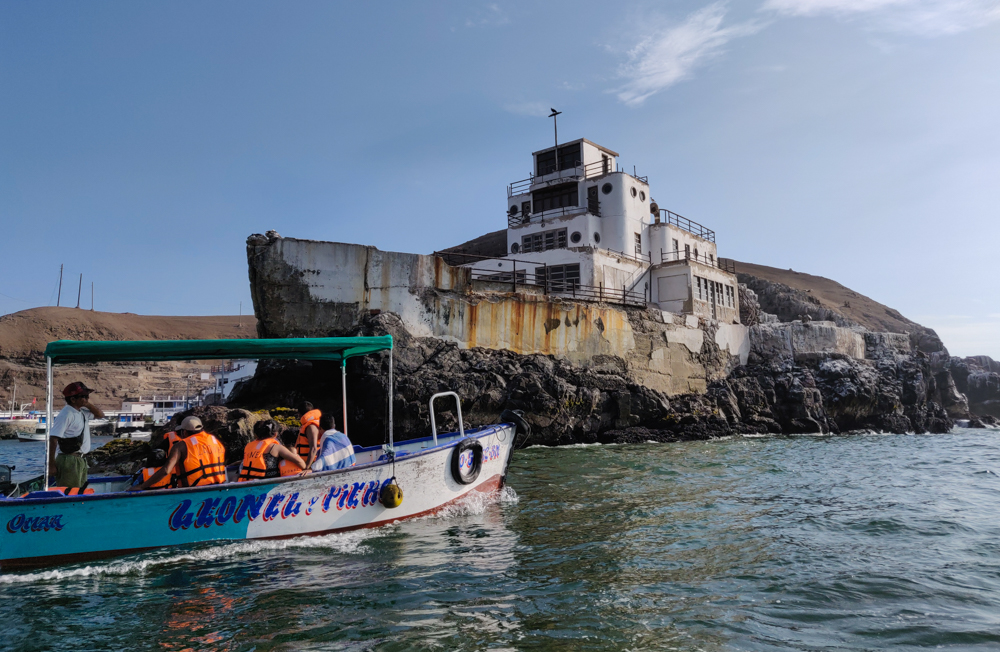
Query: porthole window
[[514, 248], [576, 237], [513, 209], [607, 188], [642, 196], [633, 192], [597, 237]]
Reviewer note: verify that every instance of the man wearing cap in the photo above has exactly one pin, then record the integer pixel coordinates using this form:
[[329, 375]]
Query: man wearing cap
[[197, 459], [70, 433]]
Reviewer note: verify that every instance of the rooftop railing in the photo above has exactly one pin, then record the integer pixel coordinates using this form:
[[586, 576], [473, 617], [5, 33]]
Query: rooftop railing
[[690, 226], [589, 171]]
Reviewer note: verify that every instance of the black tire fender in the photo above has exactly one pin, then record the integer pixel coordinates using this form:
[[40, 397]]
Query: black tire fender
[[467, 476]]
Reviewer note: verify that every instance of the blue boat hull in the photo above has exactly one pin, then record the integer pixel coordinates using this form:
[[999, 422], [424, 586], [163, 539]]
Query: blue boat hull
[[47, 531]]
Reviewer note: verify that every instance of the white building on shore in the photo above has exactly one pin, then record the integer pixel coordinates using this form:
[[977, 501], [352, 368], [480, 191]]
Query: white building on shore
[[580, 226]]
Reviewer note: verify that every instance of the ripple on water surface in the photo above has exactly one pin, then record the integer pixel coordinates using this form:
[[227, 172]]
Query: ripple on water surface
[[853, 542]]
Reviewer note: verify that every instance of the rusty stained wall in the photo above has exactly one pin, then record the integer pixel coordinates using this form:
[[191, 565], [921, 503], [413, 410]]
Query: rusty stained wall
[[528, 323]]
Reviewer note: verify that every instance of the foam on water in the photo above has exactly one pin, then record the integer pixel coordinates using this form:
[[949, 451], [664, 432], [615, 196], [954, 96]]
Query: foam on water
[[476, 502], [344, 543]]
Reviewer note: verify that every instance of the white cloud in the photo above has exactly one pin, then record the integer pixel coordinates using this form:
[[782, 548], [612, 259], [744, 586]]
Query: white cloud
[[921, 17], [490, 15], [671, 53], [528, 108]]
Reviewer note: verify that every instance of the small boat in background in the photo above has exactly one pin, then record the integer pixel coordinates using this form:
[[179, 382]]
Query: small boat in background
[[31, 436]]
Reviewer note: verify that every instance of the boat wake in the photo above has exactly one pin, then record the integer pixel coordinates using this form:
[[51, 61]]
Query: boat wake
[[476, 503], [343, 542]]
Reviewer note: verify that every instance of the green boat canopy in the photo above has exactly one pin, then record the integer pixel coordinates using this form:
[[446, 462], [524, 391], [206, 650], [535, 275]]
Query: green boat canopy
[[303, 348]]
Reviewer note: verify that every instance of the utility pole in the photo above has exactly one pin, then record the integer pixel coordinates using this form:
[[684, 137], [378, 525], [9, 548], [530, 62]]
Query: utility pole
[[79, 289], [91, 296], [241, 315], [59, 296]]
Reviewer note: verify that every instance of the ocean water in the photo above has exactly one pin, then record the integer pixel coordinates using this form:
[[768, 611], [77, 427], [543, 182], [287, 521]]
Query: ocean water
[[855, 542]]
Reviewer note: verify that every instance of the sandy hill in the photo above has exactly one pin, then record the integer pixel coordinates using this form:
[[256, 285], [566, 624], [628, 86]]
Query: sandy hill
[[23, 336], [832, 295], [25, 333]]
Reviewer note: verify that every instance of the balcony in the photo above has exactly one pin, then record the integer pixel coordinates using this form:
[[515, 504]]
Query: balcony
[[520, 219], [690, 226], [580, 171], [725, 264], [542, 278]]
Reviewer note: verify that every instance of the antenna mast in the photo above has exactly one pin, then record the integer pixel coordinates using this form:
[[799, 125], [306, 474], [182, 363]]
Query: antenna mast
[[555, 126]]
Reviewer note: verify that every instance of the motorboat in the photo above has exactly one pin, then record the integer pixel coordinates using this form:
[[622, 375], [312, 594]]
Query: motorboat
[[44, 527]]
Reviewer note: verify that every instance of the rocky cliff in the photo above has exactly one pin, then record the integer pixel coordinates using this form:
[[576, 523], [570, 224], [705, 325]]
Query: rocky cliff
[[567, 403], [814, 356]]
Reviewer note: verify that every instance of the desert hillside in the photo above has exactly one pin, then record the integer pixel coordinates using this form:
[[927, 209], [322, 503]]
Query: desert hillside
[[23, 336], [832, 295]]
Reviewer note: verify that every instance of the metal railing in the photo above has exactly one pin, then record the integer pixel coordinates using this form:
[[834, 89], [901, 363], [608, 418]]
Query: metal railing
[[525, 273], [520, 219], [643, 259], [724, 264], [588, 171], [690, 226]]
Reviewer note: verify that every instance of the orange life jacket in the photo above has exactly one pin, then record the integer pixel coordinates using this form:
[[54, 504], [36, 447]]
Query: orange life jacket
[[302, 447], [172, 438], [205, 462], [254, 462], [287, 468], [73, 491], [147, 473]]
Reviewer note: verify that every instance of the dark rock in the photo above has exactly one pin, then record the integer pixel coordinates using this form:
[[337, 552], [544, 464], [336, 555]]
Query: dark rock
[[566, 403], [118, 456]]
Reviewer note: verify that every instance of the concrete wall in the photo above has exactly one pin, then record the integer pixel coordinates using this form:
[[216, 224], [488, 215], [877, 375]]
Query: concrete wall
[[308, 288], [804, 340]]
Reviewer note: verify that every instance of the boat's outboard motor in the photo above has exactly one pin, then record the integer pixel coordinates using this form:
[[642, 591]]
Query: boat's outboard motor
[[6, 486], [522, 426]]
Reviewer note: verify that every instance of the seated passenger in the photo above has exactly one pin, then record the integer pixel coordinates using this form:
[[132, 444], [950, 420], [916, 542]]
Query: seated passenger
[[154, 461], [307, 445], [335, 449], [168, 441], [197, 459], [265, 457]]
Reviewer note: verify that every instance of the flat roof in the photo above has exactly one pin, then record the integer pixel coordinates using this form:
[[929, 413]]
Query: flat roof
[[578, 140]]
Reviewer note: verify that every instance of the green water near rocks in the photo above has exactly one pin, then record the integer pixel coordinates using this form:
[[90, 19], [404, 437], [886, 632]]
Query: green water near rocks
[[854, 542]]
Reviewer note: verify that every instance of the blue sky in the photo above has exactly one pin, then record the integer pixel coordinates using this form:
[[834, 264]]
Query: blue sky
[[140, 143]]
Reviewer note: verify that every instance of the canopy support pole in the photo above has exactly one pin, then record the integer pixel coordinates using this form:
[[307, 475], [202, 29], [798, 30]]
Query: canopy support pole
[[343, 386], [48, 419], [390, 399]]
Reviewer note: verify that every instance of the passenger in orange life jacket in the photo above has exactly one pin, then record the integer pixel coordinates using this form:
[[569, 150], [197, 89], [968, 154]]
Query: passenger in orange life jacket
[[265, 457], [154, 461], [307, 444], [168, 441], [198, 459]]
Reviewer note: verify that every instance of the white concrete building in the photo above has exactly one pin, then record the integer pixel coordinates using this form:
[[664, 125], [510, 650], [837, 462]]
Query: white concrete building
[[580, 226]]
